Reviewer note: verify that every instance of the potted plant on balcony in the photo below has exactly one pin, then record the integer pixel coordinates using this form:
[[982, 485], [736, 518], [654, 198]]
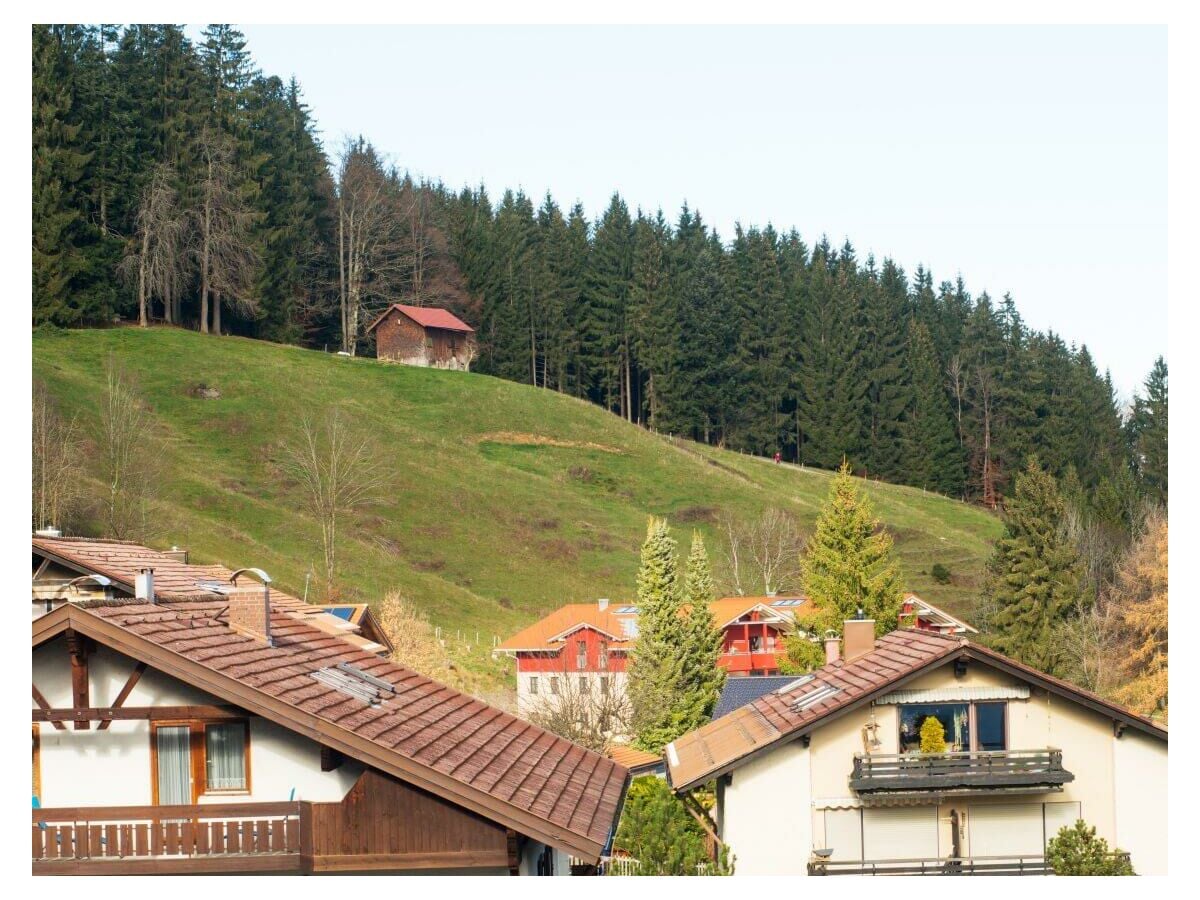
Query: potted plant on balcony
[[933, 737]]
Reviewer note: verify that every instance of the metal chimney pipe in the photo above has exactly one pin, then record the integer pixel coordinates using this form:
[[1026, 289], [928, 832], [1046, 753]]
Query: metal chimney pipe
[[143, 585]]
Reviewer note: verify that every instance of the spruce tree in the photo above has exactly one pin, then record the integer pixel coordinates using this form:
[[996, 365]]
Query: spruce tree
[[1035, 577], [847, 565], [702, 678], [1148, 434], [930, 457], [656, 670]]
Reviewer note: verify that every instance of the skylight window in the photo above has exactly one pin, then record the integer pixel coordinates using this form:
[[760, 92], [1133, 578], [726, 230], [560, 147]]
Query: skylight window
[[812, 699], [788, 601], [354, 682], [627, 611]]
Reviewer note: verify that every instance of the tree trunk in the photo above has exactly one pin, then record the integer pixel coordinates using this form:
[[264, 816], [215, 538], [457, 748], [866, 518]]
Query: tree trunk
[[216, 326], [143, 317], [204, 255]]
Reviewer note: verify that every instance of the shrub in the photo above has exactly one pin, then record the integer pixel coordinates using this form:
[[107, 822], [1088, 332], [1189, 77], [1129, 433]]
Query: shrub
[[1076, 850], [933, 736], [940, 573], [803, 655], [662, 836]]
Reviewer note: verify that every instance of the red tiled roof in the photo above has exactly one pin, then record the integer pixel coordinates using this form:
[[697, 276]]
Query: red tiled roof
[[427, 733], [720, 745], [427, 317]]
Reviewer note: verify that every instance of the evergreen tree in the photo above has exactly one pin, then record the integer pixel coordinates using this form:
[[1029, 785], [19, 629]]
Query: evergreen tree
[[930, 457], [847, 564], [1035, 576], [702, 676], [1148, 434], [657, 831], [656, 671]]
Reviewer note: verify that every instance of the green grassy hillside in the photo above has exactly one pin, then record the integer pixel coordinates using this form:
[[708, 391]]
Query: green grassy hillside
[[506, 500]]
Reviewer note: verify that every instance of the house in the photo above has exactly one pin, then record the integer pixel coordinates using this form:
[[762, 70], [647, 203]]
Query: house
[[423, 336], [829, 765], [231, 731], [927, 617], [589, 644]]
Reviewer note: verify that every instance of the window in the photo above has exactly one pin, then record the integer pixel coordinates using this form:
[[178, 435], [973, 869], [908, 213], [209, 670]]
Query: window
[[604, 687], [584, 688], [756, 644], [37, 761], [989, 726], [225, 757], [967, 726], [603, 655], [581, 654], [533, 686], [554, 685], [189, 759]]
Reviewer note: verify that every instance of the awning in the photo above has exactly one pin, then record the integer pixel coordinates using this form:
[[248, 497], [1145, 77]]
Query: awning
[[963, 693]]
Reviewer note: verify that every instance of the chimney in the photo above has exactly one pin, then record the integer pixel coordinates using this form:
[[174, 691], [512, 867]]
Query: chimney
[[833, 647], [602, 603], [49, 531], [143, 585], [250, 613], [180, 556], [860, 637]]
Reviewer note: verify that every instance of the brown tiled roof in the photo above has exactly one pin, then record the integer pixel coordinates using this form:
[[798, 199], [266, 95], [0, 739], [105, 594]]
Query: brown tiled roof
[[782, 715], [632, 758], [426, 733], [121, 561]]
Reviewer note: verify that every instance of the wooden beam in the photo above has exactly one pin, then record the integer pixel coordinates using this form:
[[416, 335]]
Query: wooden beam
[[700, 814], [156, 813], [78, 650], [125, 691], [383, 862], [331, 759], [513, 856], [40, 700], [103, 713]]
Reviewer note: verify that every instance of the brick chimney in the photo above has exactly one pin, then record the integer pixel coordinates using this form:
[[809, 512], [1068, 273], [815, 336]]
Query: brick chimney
[[860, 637], [833, 647], [250, 613]]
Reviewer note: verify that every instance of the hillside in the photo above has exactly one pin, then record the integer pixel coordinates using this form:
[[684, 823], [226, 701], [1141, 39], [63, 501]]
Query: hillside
[[507, 500]]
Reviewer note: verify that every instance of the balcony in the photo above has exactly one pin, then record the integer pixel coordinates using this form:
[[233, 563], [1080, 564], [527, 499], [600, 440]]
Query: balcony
[[977, 771], [738, 659], [129, 840], [967, 865]]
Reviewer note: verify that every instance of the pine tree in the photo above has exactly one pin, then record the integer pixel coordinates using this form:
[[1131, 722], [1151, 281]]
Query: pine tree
[[847, 564], [656, 672], [1035, 576], [930, 457], [702, 677], [1148, 434]]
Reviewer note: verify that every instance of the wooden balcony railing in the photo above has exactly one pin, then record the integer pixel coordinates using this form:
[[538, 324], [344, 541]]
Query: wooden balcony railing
[[226, 837], [1011, 769], [969, 865]]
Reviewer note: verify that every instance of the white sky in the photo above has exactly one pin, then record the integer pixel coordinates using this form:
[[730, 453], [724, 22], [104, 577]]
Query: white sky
[[1030, 159]]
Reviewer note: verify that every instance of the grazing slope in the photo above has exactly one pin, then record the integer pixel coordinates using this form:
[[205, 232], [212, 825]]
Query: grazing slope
[[506, 500]]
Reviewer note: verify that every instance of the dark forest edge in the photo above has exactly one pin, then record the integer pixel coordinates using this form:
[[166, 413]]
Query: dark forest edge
[[174, 182]]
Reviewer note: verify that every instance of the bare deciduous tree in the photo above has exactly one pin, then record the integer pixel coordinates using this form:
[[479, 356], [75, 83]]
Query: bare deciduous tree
[[762, 554], [223, 251], [153, 263], [56, 450], [339, 470], [582, 712], [127, 459], [369, 237]]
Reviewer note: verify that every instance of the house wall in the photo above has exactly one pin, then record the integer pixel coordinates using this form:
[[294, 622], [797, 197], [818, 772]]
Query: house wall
[[112, 767], [1119, 786], [762, 813]]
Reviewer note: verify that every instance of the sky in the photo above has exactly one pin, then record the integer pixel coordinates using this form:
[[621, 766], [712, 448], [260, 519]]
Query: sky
[[1030, 160]]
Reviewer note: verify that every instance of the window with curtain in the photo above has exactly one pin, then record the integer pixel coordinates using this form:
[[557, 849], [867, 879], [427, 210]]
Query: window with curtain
[[581, 654], [225, 756], [173, 746]]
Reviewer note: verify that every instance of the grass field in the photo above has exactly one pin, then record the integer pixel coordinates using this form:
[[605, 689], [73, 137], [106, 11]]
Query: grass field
[[505, 500]]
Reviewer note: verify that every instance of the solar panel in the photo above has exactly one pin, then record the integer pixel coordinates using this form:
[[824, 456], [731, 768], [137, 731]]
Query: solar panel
[[342, 612], [788, 601], [822, 693], [627, 610]]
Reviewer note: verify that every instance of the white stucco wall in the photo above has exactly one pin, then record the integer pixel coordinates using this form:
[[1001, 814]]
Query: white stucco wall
[[112, 767], [1140, 790], [764, 813]]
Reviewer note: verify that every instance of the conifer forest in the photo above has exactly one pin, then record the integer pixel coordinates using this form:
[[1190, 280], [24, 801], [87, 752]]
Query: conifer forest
[[173, 182]]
